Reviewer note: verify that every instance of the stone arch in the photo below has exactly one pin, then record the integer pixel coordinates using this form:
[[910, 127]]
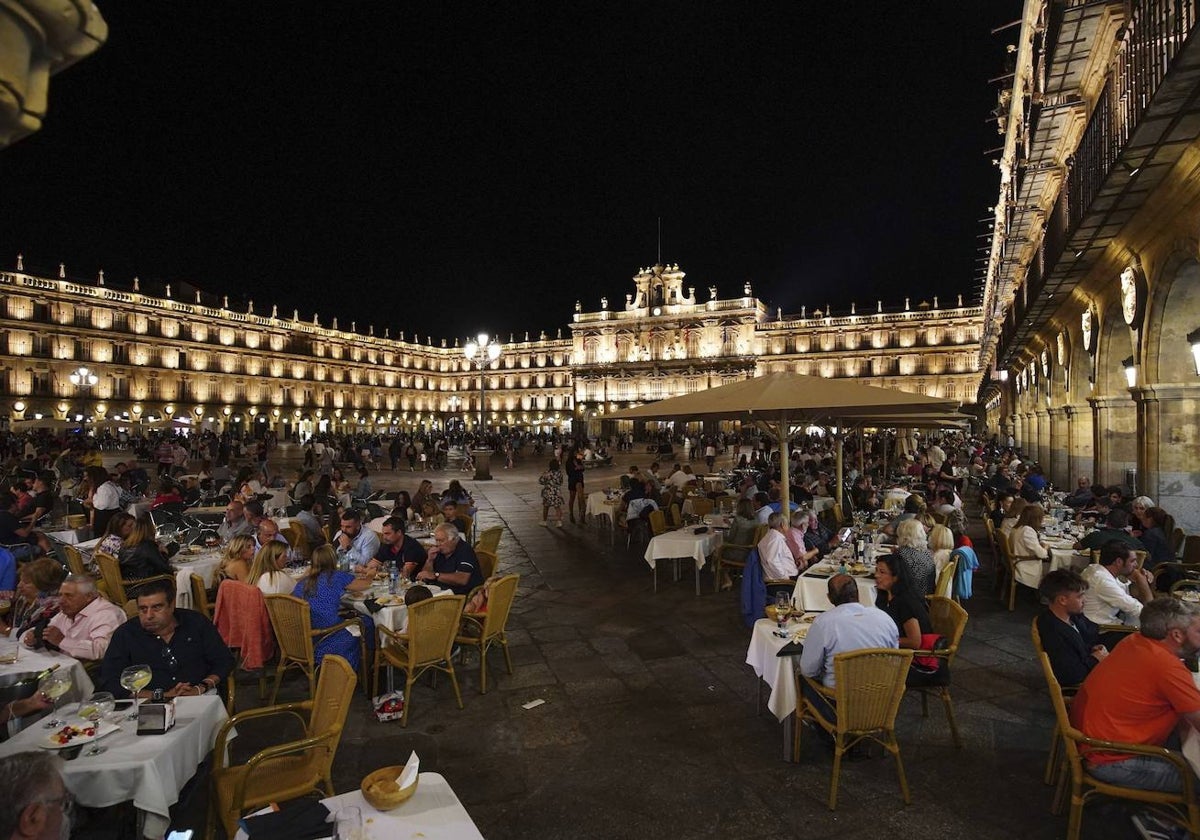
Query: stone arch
[[1174, 311]]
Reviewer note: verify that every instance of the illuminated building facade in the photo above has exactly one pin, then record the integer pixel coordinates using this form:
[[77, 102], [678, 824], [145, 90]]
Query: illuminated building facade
[[113, 357]]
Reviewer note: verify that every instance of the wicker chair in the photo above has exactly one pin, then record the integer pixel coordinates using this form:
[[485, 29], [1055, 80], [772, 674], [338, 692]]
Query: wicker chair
[[116, 587], [432, 627], [289, 770], [658, 523], [949, 620], [1179, 807], [702, 506], [1010, 562], [1055, 758], [732, 557], [483, 630], [868, 687], [75, 560], [297, 537], [291, 619], [945, 580], [726, 504], [200, 597], [489, 539], [488, 561], [674, 517]]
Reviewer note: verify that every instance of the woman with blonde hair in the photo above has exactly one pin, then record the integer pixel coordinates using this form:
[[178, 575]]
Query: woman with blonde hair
[[913, 550], [1014, 513], [267, 570], [236, 559], [941, 543]]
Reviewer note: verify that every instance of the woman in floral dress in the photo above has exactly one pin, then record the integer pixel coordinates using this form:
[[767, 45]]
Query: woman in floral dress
[[552, 481]]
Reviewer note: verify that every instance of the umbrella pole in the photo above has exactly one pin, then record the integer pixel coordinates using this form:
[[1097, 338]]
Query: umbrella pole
[[785, 457], [837, 442], [862, 457]]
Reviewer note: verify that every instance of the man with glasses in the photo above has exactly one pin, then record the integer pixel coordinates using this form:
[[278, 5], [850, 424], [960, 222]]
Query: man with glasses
[[186, 655], [39, 804], [235, 523], [451, 563]]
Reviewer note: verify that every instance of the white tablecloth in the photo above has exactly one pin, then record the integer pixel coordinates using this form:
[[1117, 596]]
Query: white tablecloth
[[38, 660], [682, 543], [150, 770], [73, 537], [822, 503], [598, 504], [433, 813], [394, 618], [136, 509], [778, 672], [812, 588]]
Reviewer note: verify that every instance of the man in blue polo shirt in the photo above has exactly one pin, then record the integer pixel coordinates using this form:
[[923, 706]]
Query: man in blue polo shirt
[[452, 563]]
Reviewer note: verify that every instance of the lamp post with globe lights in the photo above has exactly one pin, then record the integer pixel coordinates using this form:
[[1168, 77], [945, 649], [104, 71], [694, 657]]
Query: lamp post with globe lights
[[483, 350]]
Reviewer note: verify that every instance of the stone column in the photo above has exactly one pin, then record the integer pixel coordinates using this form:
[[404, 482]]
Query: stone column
[[1169, 449], [1114, 435], [1041, 417], [1059, 447]]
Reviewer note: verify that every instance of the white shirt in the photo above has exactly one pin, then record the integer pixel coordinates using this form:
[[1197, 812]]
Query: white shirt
[[276, 583], [107, 497], [1108, 600], [679, 478], [776, 557], [763, 513]]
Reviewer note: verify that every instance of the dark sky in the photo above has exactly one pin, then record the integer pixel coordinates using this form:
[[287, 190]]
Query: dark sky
[[444, 167]]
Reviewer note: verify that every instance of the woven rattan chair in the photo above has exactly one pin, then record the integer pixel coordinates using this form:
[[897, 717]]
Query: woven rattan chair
[[488, 561], [674, 517], [726, 504], [702, 506], [288, 770], [1011, 561], [426, 646], [291, 619], [945, 580], [489, 539], [1178, 807], [1055, 758], [200, 597], [297, 537], [74, 560], [118, 589], [868, 687], [658, 523], [949, 620], [483, 630]]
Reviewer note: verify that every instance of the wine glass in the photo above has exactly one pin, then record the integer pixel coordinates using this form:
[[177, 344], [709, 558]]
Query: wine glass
[[55, 685], [783, 608], [95, 709], [134, 679]]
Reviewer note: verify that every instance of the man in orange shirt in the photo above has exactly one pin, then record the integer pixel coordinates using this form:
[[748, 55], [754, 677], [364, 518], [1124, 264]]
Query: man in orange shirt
[[1139, 694]]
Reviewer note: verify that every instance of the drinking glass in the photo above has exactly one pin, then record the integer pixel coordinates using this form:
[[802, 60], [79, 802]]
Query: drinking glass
[[783, 608], [134, 679], [348, 824], [55, 685], [95, 709]]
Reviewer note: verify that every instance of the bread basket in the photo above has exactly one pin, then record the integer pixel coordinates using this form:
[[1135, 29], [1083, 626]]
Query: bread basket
[[381, 791]]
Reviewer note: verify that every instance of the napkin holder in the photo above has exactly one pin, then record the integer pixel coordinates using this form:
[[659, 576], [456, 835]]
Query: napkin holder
[[155, 718]]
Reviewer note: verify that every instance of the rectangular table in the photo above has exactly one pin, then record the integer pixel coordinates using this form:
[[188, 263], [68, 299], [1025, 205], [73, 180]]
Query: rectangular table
[[674, 545], [778, 672], [812, 588], [433, 813], [149, 770]]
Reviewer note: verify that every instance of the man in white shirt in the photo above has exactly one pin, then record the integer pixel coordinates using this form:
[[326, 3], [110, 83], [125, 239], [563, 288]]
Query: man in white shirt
[[762, 507], [355, 543], [935, 455], [1109, 600], [850, 625], [774, 554]]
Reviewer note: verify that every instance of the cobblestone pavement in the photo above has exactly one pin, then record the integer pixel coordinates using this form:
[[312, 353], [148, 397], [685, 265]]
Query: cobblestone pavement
[[649, 726]]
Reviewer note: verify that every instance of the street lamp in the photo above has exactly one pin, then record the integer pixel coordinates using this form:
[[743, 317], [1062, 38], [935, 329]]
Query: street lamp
[[81, 377], [483, 350]]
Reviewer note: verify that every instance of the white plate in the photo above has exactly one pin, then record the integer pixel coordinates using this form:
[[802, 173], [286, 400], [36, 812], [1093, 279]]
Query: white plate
[[103, 729]]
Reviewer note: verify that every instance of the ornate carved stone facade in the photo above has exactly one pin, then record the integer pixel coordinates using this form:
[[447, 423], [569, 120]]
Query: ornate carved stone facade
[[1093, 292]]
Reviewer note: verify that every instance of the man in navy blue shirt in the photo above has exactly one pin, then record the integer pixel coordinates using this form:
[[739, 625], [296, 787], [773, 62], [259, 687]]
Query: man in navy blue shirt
[[1070, 639], [186, 655], [396, 546], [452, 564]]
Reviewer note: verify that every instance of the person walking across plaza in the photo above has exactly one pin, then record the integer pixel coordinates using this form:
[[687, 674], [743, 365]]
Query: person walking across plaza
[[551, 481]]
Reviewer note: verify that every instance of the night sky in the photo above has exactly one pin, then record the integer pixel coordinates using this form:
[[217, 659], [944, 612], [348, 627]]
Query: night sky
[[441, 168]]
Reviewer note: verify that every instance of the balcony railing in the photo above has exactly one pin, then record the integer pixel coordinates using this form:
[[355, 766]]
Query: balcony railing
[[1156, 31]]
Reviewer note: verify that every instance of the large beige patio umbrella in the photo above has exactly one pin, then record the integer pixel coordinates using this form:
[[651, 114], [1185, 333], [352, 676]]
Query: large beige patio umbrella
[[784, 404]]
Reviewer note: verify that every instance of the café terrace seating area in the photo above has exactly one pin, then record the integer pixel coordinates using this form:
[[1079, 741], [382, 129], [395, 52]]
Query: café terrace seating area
[[622, 694]]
